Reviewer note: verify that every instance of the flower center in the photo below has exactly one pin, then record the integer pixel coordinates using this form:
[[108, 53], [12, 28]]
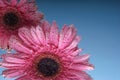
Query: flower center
[[48, 67], [10, 19]]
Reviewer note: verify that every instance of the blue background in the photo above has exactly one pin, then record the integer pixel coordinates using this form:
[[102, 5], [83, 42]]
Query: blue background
[[98, 24]]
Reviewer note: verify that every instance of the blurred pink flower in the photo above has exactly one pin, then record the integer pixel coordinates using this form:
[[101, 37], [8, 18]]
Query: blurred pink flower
[[15, 14], [46, 54]]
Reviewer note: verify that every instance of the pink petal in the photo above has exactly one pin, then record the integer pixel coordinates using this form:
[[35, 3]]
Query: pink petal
[[35, 36], [62, 33], [32, 6], [78, 75], [21, 55], [46, 29], [75, 53], [13, 2], [17, 45], [54, 34], [63, 78], [26, 36], [82, 58], [11, 73], [24, 8], [21, 2], [69, 36], [41, 35], [74, 43], [84, 75], [4, 42], [14, 60], [82, 67], [11, 65], [23, 78], [2, 3]]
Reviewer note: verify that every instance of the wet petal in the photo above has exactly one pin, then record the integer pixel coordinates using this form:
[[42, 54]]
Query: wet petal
[[54, 34], [40, 34], [67, 36], [74, 43]]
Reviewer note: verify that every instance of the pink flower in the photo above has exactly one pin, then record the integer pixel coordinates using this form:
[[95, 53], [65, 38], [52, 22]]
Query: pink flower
[[46, 54], [15, 14]]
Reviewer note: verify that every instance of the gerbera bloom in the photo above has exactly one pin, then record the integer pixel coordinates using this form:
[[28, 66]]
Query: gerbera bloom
[[46, 54], [15, 14]]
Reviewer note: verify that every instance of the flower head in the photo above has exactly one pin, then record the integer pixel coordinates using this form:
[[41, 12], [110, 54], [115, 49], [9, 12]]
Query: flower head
[[15, 14], [46, 54]]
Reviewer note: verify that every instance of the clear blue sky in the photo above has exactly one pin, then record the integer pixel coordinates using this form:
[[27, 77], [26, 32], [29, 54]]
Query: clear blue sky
[[98, 24]]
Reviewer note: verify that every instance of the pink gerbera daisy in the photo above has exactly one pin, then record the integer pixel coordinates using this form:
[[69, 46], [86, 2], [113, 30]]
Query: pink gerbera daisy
[[15, 14], [46, 54]]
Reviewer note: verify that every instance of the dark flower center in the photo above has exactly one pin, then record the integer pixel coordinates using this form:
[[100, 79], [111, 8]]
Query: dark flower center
[[48, 67], [10, 19]]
